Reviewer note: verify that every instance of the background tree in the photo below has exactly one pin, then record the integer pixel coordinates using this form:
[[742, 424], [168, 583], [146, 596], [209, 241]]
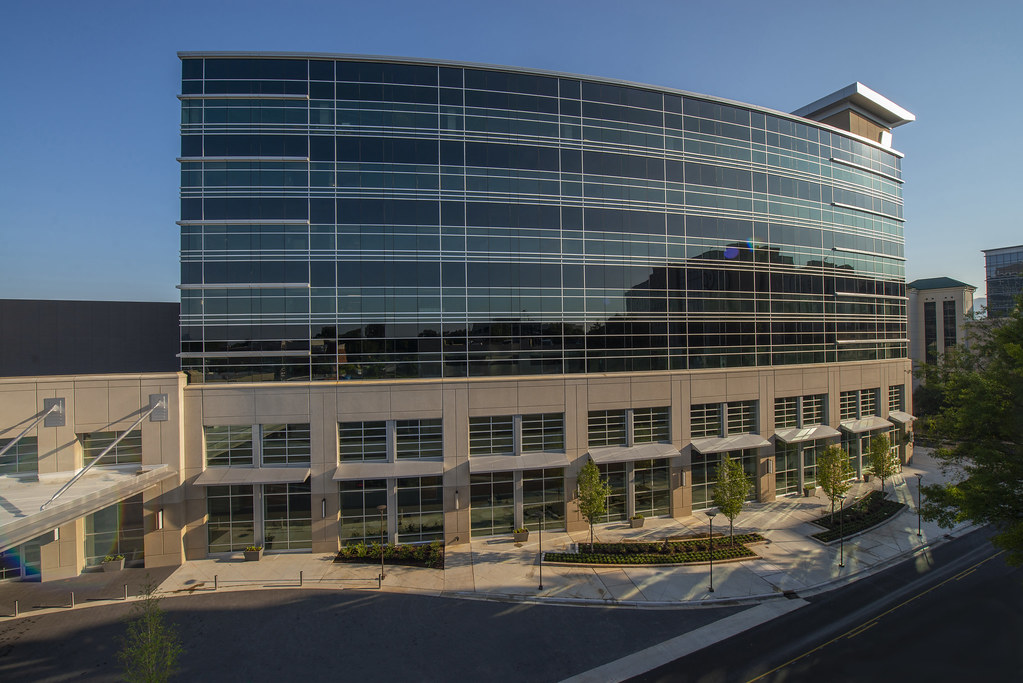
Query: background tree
[[730, 491], [980, 428], [881, 459], [150, 648], [833, 473], [593, 493]]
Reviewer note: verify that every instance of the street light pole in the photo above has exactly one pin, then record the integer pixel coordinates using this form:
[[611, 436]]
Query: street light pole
[[383, 537], [841, 531], [919, 502], [710, 516], [543, 521]]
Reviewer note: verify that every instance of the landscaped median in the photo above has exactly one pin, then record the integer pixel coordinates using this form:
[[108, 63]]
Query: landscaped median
[[873, 510], [691, 551], [429, 555]]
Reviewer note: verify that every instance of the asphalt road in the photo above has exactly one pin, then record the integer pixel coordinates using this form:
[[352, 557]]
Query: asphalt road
[[954, 614], [275, 635]]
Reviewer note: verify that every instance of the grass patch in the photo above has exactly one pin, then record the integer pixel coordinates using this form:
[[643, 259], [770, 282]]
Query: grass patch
[[667, 552], [429, 555], [872, 510]]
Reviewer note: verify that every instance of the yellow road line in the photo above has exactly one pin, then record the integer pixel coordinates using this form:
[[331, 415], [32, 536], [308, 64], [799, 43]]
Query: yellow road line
[[862, 627]]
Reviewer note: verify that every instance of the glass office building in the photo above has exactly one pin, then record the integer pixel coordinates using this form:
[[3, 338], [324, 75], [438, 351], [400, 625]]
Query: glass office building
[[346, 218], [1004, 268]]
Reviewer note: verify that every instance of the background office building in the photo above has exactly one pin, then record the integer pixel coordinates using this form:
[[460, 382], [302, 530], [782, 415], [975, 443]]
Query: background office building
[[443, 287], [1004, 268], [938, 308]]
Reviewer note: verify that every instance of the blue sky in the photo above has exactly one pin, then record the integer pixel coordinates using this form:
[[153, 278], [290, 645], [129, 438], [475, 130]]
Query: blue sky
[[88, 180]]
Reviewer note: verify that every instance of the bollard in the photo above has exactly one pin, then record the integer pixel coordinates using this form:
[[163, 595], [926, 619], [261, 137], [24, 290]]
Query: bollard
[[15, 608], [215, 582], [72, 599], [126, 592], [300, 579]]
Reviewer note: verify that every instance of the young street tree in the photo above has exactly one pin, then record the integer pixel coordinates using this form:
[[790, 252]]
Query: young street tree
[[979, 423], [882, 461], [150, 648], [730, 491], [833, 473], [593, 493]]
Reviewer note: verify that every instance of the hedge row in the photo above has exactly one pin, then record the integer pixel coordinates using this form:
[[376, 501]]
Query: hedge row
[[872, 510], [431, 555], [720, 553], [665, 552]]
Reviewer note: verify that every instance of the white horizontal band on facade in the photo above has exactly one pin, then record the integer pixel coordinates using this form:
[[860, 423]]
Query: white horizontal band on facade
[[243, 96], [242, 354], [847, 250], [247, 285], [872, 296], [870, 211], [861, 167], [248, 221], [196, 160], [873, 341]]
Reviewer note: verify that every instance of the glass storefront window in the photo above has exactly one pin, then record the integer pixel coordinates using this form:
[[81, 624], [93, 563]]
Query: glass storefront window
[[287, 516], [653, 489], [360, 519], [543, 432], [615, 474], [543, 497], [115, 530], [363, 440], [492, 502], [419, 439], [231, 522], [420, 509]]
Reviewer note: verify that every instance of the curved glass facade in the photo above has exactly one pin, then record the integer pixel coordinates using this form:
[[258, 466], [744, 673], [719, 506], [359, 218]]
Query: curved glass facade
[[345, 219]]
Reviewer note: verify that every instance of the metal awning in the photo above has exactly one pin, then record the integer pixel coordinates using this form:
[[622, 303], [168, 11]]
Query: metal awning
[[800, 434], [645, 451], [730, 443], [514, 463], [21, 520], [899, 416], [349, 471], [867, 424], [226, 476]]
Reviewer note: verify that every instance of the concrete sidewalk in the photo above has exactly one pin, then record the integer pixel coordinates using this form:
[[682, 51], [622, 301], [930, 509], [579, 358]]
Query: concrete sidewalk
[[498, 568]]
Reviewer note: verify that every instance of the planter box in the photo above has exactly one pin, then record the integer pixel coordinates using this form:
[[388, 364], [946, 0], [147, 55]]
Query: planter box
[[113, 565], [520, 536], [866, 477], [253, 555], [807, 492], [636, 522]]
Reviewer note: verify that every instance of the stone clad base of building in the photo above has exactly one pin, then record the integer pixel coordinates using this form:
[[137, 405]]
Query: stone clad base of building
[[305, 466]]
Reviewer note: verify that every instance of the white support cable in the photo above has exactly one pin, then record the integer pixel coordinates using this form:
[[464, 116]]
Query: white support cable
[[9, 446], [156, 405]]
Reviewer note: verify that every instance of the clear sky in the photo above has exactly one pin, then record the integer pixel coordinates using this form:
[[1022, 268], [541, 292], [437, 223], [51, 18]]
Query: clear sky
[[89, 122]]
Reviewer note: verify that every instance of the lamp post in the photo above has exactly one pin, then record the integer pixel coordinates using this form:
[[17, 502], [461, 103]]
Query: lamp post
[[841, 532], [543, 521], [919, 502], [710, 516], [383, 537]]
